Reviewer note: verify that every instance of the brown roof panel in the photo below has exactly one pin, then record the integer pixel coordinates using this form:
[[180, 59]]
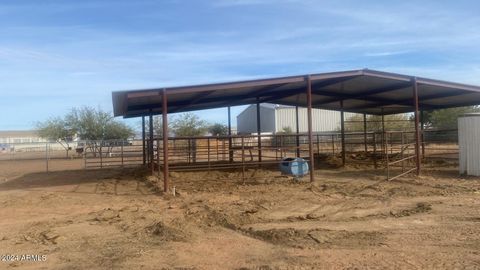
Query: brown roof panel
[[362, 91]]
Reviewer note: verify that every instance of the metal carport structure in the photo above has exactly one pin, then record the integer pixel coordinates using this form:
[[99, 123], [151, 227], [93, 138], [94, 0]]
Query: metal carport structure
[[360, 91]]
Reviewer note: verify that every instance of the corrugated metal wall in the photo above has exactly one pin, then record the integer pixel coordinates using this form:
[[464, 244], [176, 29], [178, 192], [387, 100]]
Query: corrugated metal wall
[[469, 144], [322, 120], [247, 120], [275, 118]]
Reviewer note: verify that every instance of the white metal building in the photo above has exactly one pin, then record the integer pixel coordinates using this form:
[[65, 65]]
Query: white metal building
[[469, 144], [20, 136], [274, 118]]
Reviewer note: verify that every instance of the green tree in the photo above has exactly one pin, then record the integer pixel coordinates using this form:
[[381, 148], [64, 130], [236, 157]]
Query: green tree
[[188, 124], [117, 130], [86, 123], [157, 125], [286, 130], [218, 129], [446, 118], [58, 130], [94, 124], [284, 140], [394, 122]]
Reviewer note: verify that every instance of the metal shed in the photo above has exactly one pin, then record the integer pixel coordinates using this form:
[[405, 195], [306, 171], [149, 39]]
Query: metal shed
[[274, 118], [469, 144]]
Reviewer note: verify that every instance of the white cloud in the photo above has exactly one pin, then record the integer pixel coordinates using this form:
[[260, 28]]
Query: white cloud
[[382, 54]]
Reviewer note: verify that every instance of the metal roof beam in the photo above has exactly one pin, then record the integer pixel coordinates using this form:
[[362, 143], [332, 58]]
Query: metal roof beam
[[197, 98], [265, 94], [443, 95], [301, 90], [408, 101], [203, 98], [361, 95], [390, 103], [231, 100], [256, 93]]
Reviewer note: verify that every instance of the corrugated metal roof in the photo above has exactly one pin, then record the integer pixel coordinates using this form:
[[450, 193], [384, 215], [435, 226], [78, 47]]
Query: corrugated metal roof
[[362, 91]]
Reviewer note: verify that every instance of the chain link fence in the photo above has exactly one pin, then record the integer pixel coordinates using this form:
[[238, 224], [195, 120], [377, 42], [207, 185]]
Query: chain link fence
[[22, 158]]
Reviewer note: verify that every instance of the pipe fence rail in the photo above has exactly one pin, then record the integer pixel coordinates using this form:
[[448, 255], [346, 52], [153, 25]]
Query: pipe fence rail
[[391, 151]]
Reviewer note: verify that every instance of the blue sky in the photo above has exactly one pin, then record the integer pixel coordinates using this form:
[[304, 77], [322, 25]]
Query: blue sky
[[55, 55]]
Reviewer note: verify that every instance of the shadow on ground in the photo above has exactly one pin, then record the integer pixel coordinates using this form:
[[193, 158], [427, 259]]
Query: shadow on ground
[[102, 181]]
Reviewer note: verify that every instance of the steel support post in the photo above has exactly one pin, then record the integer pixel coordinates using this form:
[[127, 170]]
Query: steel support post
[[243, 159], [387, 161], [365, 132], [165, 139], [310, 136], [342, 128], [383, 134], [259, 131], [297, 125], [417, 131], [158, 158], [422, 126], [143, 141], [150, 145], [230, 151], [375, 165]]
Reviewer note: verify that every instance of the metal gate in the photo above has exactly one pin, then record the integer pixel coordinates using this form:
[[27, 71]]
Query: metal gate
[[111, 153], [399, 154]]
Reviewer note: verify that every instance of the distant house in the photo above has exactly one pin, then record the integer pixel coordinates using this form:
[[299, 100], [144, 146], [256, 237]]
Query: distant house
[[275, 118], [19, 136]]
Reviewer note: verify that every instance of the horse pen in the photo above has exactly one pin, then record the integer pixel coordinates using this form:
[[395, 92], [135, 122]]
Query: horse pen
[[375, 197]]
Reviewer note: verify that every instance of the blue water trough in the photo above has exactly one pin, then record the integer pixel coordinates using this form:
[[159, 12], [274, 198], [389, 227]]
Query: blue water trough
[[296, 167]]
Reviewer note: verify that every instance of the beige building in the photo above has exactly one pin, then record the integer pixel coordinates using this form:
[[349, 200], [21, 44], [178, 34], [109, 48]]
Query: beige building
[[19, 136]]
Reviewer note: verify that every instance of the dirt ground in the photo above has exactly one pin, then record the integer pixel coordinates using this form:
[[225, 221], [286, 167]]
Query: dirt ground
[[349, 219]]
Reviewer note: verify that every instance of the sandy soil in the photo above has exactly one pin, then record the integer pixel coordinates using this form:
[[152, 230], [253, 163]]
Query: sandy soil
[[349, 219]]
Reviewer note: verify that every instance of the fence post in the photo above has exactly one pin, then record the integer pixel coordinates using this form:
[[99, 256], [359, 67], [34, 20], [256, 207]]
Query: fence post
[[391, 142], [281, 146], [375, 150], [46, 155], [275, 144], [189, 150], [401, 152], [101, 155], [333, 145], [365, 132], [386, 155], [318, 145], [243, 160], [208, 152], [85, 155], [152, 162], [122, 151], [158, 157]]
